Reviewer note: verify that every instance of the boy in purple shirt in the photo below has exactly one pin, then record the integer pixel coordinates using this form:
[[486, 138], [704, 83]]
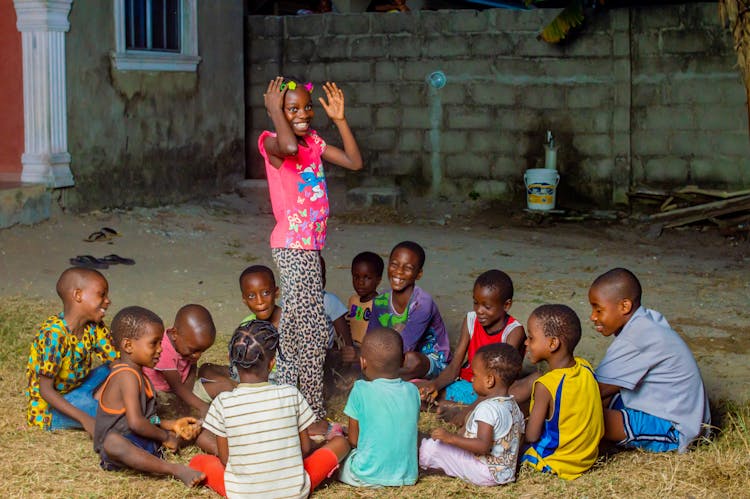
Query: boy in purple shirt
[[413, 313]]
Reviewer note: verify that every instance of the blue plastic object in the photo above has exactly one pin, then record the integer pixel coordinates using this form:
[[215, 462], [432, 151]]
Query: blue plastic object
[[437, 79]]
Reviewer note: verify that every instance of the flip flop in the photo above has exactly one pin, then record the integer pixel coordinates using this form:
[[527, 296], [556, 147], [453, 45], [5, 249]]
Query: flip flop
[[115, 259], [97, 236], [89, 262], [110, 232]]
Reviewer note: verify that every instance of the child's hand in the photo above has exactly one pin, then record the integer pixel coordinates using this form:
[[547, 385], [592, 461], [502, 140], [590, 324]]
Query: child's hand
[[441, 434], [172, 442], [348, 354], [427, 390], [335, 106], [274, 96], [187, 428]]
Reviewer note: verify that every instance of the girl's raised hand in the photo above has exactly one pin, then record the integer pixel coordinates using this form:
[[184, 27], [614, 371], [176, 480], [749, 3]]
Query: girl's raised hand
[[334, 108], [274, 96]]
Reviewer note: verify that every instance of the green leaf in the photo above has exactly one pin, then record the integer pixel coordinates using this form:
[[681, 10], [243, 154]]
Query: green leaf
[[560, 26]]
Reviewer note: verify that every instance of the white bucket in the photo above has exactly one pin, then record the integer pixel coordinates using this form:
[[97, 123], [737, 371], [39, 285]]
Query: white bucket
[[541, 187]]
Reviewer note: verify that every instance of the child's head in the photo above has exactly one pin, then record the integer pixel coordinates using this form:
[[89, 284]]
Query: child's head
[[137, 334], [405, 265], [614, 296], [496, 365], [552, 329], [382, 354], [298, 108], [194, 331], [253, 347], [85, 292], [259, 291], [493, 296], [367, 271]]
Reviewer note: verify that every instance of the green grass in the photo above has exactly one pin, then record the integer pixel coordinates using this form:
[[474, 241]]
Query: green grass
[[63, 464]]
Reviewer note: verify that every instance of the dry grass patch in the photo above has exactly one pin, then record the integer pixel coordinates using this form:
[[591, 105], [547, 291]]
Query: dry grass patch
[[63, 464]]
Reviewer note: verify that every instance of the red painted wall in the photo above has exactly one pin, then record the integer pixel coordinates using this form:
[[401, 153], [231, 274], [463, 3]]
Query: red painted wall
[[11, 93]]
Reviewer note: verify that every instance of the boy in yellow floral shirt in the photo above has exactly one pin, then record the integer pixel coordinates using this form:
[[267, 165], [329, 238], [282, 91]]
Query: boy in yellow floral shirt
[[61, 381]]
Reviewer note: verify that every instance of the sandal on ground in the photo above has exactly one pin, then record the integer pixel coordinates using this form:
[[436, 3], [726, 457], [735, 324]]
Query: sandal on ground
[[115, 259], [104, 234], [89, 262], [110, 232]]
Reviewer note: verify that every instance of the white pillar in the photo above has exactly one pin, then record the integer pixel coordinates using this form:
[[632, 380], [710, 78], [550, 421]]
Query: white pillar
[[43, 24]]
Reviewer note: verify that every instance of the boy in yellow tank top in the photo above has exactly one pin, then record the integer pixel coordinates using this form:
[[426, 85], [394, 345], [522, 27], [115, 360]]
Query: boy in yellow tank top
[[565, 422]]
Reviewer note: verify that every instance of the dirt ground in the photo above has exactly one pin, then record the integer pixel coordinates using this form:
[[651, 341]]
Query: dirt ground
[[195, 252]]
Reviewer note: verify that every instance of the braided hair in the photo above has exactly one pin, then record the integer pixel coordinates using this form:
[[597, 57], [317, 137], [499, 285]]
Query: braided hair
[[253, 344]]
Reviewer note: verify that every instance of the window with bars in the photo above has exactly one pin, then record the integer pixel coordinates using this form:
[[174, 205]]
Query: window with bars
[[152, 25]]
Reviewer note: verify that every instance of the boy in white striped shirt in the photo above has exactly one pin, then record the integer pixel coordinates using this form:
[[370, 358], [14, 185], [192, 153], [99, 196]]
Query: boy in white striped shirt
[[261, 429]]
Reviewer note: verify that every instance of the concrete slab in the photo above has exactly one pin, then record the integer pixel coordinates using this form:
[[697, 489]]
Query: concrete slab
[[22, 203]]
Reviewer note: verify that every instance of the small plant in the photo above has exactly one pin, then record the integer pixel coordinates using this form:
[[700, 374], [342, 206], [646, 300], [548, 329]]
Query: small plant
[[474, 195]]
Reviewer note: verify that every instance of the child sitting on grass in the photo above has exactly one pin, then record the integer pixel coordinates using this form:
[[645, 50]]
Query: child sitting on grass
[[413, 313], [487, 452], [176, 372], [487, 324], [262, 429], [61, 382], [651, 386], [367, 271], [565, 424], [383, 411], [259, 293], [128, 433]]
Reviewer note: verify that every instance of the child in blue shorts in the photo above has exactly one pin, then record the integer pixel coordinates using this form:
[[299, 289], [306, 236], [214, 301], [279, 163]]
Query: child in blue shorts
[[651, 386], [61, 381], [413, 313]]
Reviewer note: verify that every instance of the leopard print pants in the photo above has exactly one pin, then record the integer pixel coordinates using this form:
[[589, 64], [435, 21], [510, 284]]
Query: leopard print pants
[[302, 329]]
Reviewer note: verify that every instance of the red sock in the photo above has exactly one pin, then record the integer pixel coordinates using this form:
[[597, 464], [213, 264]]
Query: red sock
[[320, 465], [214, 470]]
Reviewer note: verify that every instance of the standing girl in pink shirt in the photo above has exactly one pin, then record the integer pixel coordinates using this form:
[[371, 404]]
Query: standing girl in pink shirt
[[294, 156]]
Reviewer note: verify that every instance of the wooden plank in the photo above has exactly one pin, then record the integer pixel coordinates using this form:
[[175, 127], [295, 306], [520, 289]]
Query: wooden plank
[[694, 189], [705, 210]]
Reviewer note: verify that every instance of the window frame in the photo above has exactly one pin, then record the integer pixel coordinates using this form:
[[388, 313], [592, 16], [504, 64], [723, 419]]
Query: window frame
[[187, 59]]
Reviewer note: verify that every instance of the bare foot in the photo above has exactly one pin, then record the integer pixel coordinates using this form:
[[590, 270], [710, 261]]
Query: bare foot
[[189, 476], [452, 412]]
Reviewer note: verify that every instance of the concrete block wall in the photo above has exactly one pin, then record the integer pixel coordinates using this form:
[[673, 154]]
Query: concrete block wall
[[479, 133]]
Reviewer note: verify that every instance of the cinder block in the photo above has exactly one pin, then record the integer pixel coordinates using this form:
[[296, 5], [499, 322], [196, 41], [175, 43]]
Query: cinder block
[[621, 121], [666, 169], [445, 46], [367, 197], [378, 140], [682, 41], [346, 24], [373, 93], [715, 170], [350, 71], [299, 49], [402, 47], [460, 117], [411, 140], [509, 168], [359, 117], [598, 144], [463, 21], [646, 44], [448, 142], [368, 46], [387, 71], [621, 46], [264, 26], [591, 45], [530, 46], [397, 164], [668, 118], [692, 142], [405, 22], [432, 22], [597, 169], [733, 90], [387, 117], [265, 49], [452, 93], [587, 120], [467, 69], [315, 73], [647, 94], [494, 45], [486, 141], [542, 96], [412, 94], [655, 17], [491, 189], [495, 94], [255, 94], [597, 95], [712, 117], [263, 73], [732, 143], [313, 25], [418, 70], [415, 117], [520, 120], [467, 165], [332, 48], [523, 20]]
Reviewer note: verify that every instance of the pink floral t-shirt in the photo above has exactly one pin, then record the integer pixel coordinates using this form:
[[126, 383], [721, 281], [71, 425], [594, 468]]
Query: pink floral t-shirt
[[298, 195]]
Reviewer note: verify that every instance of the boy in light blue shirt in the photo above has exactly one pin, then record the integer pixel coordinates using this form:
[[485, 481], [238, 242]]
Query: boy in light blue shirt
[[383, 412]]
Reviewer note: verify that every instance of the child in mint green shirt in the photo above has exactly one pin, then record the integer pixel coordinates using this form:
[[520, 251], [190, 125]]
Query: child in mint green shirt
[[382, 405]]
